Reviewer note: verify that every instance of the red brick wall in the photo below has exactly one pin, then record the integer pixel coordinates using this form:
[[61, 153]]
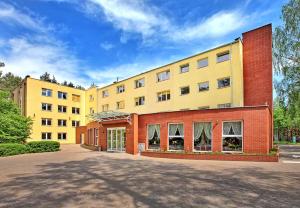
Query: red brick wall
[[256, 126], [257, 65]]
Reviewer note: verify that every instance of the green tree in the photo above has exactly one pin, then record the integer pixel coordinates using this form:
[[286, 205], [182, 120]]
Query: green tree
[[286, 44], [71, 84], [45, 77], [14, 128], [53, 80], [9, 81]]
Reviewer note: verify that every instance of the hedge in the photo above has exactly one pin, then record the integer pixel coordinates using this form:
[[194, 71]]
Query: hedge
[[12, 149], [43, 146], [9, 149]]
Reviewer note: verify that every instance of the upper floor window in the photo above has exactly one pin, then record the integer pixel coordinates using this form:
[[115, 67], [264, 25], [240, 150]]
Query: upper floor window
[[184, 68], [91, 98], [121, 105], [140, 83], [105, 107], [75, 123], [75, 98], [46, 107], [46, 92], [140, 100], [62, 109], [223, 56], [163, 96], [61, 136], [202, 63], [184, 90], [75, 110], [224, 105], [224, 82], [203, 86], [120, 88], [165, 75], [62, 122], [62, 95], [105, 93], [46, 121]]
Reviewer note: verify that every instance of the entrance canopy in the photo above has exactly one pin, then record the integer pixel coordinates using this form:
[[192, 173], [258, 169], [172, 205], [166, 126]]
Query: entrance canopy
[[110, 116]]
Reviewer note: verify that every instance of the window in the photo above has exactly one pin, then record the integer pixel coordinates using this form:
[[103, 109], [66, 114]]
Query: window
[[232, 136], [75, 110], [140, 100], [163, 96], [165, 75], [46, 136], [184, 90], [153, 136], [203, 63], [120, 88], [223, 57], [62, 109], [225, 82], [140, 83], [225, 105], [46, 121], [92, 98], [75, 98], [96, 131], [61, 136], [184, 68], [120, 105], [46, 107], [46, 92], [75, 123], [105, 107], [105, 93], [62, 95], [176, 137], [202, 136], [203, 107], [91, 110], [203, 86], [62, 122]]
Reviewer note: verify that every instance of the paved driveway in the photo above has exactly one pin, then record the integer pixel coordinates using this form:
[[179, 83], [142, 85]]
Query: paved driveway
[[75, 177]]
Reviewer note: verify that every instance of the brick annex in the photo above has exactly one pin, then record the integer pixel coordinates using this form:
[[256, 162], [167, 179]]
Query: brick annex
[[235, 133]]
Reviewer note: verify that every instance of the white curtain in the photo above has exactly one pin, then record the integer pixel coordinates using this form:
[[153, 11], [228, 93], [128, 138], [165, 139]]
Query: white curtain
[[157, 128], [226, 128], [180, 129], [236, 127], [198, 128], [151, 131], [172, 129], [207, 129]]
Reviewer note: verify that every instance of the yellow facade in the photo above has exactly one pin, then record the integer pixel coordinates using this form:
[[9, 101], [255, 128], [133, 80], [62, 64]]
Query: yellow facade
[[29, 94]]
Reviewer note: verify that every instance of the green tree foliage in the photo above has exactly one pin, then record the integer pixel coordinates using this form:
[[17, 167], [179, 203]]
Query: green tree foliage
[[8, 81], [286, 44], [45, 77], [14, 128], [53, 80]]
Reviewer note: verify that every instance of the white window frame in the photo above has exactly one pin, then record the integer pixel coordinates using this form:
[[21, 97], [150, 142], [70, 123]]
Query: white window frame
[[161, 93], [223, 79], [223, 54], [75, 110], [61, 95], [186, 67], [185, 87], [62, 134], [139, 83], [118, 107], [175, 136], [105, 93], [203, 59], [46, 136], [47, 121], [225, 105], [242, 135], [77, 123], [137, 100], [96, 136], [46, 92], [47, 107], [120, 89], [211, 122], [147, 145], [62, 107], [161, 77], [62, 120], [203, 83]]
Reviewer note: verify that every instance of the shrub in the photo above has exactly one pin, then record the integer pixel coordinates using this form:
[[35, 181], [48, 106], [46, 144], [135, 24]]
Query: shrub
[[12, 149], [43, 146]]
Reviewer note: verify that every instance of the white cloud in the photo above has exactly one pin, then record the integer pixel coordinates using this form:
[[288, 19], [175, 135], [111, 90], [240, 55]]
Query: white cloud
[[106, 46]]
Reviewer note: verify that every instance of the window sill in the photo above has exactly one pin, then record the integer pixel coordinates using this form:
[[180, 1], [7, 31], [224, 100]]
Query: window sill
[[223, 87]]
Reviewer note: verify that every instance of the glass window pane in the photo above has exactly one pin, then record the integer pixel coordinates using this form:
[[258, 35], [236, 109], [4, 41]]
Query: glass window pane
[[202, 136], [203, 63]]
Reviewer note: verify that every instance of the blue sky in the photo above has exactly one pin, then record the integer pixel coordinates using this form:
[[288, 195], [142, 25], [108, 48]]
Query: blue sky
[[87, 41]]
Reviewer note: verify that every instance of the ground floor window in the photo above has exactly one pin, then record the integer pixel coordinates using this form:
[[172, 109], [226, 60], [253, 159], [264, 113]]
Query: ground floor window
[[202, 136], [154, 136], [46, 136], [176, 137], [96, 137], [232, 136], [61, 136]]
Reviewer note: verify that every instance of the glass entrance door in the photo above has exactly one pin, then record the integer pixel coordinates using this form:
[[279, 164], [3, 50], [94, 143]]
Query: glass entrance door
[[116, 139]]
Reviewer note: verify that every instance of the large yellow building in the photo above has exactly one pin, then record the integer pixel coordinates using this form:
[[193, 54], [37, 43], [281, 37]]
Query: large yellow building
[[211, 79]]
